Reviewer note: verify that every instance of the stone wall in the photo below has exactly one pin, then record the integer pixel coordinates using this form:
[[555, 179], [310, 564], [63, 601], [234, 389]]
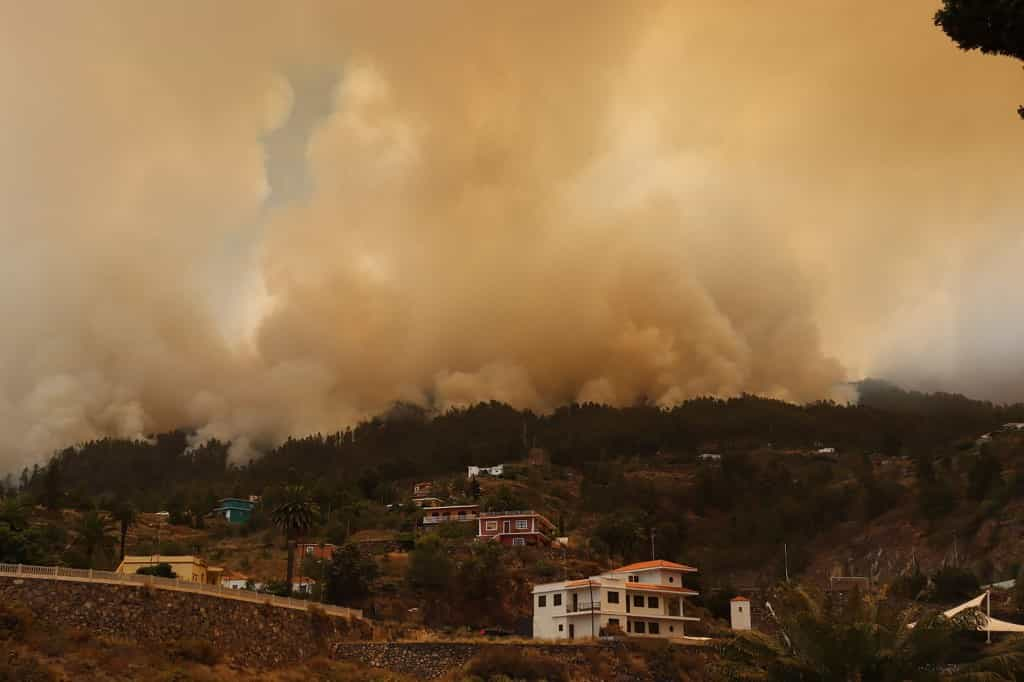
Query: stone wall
[[250, 634], [430, 660]]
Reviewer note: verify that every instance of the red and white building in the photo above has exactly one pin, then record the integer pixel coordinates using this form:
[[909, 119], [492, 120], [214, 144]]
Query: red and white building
[[315, 551], [454, 512], [641, 600], [515, 528]]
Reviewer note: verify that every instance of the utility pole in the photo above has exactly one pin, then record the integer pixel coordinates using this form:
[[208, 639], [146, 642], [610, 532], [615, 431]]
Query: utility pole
[[653, 557], [988, 619], [785, 554]]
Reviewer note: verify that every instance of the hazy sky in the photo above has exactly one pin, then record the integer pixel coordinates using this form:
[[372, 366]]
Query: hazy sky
[[262, 218]]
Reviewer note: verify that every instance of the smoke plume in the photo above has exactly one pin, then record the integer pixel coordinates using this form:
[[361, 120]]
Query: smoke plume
[[261, 218]]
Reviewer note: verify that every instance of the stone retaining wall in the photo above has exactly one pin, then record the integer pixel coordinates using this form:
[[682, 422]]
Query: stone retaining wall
[[430, 660], [253, 635]]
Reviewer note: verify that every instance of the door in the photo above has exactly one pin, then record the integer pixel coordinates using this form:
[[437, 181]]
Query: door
[[629, 601], [572, 631], [575, 602], [507, 527]]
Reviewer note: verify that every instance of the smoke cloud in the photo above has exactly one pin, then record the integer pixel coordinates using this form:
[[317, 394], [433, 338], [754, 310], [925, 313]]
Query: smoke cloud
[[262, 218]]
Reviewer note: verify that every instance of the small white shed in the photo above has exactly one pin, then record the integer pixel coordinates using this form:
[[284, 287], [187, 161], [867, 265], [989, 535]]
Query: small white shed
[[739, 612]]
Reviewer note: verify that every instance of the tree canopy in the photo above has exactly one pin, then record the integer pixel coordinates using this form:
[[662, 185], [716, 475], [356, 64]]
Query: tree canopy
[[991, 26]]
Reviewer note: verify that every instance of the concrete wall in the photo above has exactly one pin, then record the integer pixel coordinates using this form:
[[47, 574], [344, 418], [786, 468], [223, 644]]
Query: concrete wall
[[253, 635]]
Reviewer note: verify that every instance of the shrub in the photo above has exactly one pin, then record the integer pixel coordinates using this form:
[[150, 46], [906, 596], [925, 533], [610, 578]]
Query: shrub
[[195, 650], [954, 584], [161, 570], [545, 569], [515, 664]]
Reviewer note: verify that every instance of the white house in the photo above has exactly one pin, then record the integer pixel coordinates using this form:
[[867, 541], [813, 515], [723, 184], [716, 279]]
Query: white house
[[641, 600], [739, 613], [1013, 426], [303, 585], [825, 451], [709, 457], [473, 471], [234, 581]]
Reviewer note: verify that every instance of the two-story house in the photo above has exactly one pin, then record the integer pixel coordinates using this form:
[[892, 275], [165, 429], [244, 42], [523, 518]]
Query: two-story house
[[454, 512], [641, 600], [515, 528]]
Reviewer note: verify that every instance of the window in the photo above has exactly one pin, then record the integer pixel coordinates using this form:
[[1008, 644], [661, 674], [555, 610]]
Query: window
[[518, 541], [629, 626], [740, 609], [309, 549], [613, 597], [654, 628], [634, 578], [638, 626], [652, 602], [560, 627], [557, 600], [671, 579], [435, 513], [491, 525], [613, 621], [671, 628], [638, 600], [542, 601], [522, 524]]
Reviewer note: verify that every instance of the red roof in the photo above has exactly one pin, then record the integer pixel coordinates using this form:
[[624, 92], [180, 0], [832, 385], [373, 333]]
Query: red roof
[[648, 565], [651, 587], [739, 599]]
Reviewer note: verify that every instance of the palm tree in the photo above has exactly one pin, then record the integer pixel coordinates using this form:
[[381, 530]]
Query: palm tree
[[294, 516], [92, 534], [125, 515]]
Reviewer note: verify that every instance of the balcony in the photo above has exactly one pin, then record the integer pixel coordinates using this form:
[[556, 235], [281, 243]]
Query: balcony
[[583, 607], [433, 520]]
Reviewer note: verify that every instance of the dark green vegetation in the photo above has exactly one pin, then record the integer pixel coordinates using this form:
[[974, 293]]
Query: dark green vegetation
[[992, 26], [639, 462], [855, 636]]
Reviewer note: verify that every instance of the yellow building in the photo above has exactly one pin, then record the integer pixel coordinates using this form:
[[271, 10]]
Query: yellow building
[[187, 568]]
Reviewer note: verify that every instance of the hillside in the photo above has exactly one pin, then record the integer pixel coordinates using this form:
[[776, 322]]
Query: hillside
[[910, 486]]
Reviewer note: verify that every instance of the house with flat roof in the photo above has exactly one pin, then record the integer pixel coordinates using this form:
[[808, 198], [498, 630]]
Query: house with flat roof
[[187, 568], [515, 528], [235, 510], [639, 600], [453, 512]]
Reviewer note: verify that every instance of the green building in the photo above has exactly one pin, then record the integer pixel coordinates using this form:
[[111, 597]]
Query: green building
[[235, 510]]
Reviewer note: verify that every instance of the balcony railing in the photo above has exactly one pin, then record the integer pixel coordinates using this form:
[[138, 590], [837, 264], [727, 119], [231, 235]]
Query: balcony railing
[[516, 512], [430, 520], [583, 606]]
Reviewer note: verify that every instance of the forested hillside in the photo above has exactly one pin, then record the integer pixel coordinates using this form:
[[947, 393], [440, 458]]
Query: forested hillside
[[909, 477]]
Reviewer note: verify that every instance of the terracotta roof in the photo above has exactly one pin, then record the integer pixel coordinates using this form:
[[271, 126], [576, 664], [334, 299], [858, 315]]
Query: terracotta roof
[[586, 582], [648, 587], [660, 563], [739, 599]]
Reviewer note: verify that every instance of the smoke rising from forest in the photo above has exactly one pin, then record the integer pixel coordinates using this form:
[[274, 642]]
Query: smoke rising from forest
[[264, 218]]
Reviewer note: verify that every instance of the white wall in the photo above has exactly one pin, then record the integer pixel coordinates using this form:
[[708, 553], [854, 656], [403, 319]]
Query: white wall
[[740, 615]]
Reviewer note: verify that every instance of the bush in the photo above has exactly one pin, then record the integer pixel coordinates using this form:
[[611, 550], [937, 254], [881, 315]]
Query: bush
[[161, 570], [195, 650], [545, 569], [954, 584], [509, 662], [909, 586]]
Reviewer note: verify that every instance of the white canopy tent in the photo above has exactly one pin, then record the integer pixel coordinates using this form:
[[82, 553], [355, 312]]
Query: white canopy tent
[[988, 623]]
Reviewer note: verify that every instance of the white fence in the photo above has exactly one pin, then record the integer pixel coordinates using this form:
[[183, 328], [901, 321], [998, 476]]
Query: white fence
[[110, 578]]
